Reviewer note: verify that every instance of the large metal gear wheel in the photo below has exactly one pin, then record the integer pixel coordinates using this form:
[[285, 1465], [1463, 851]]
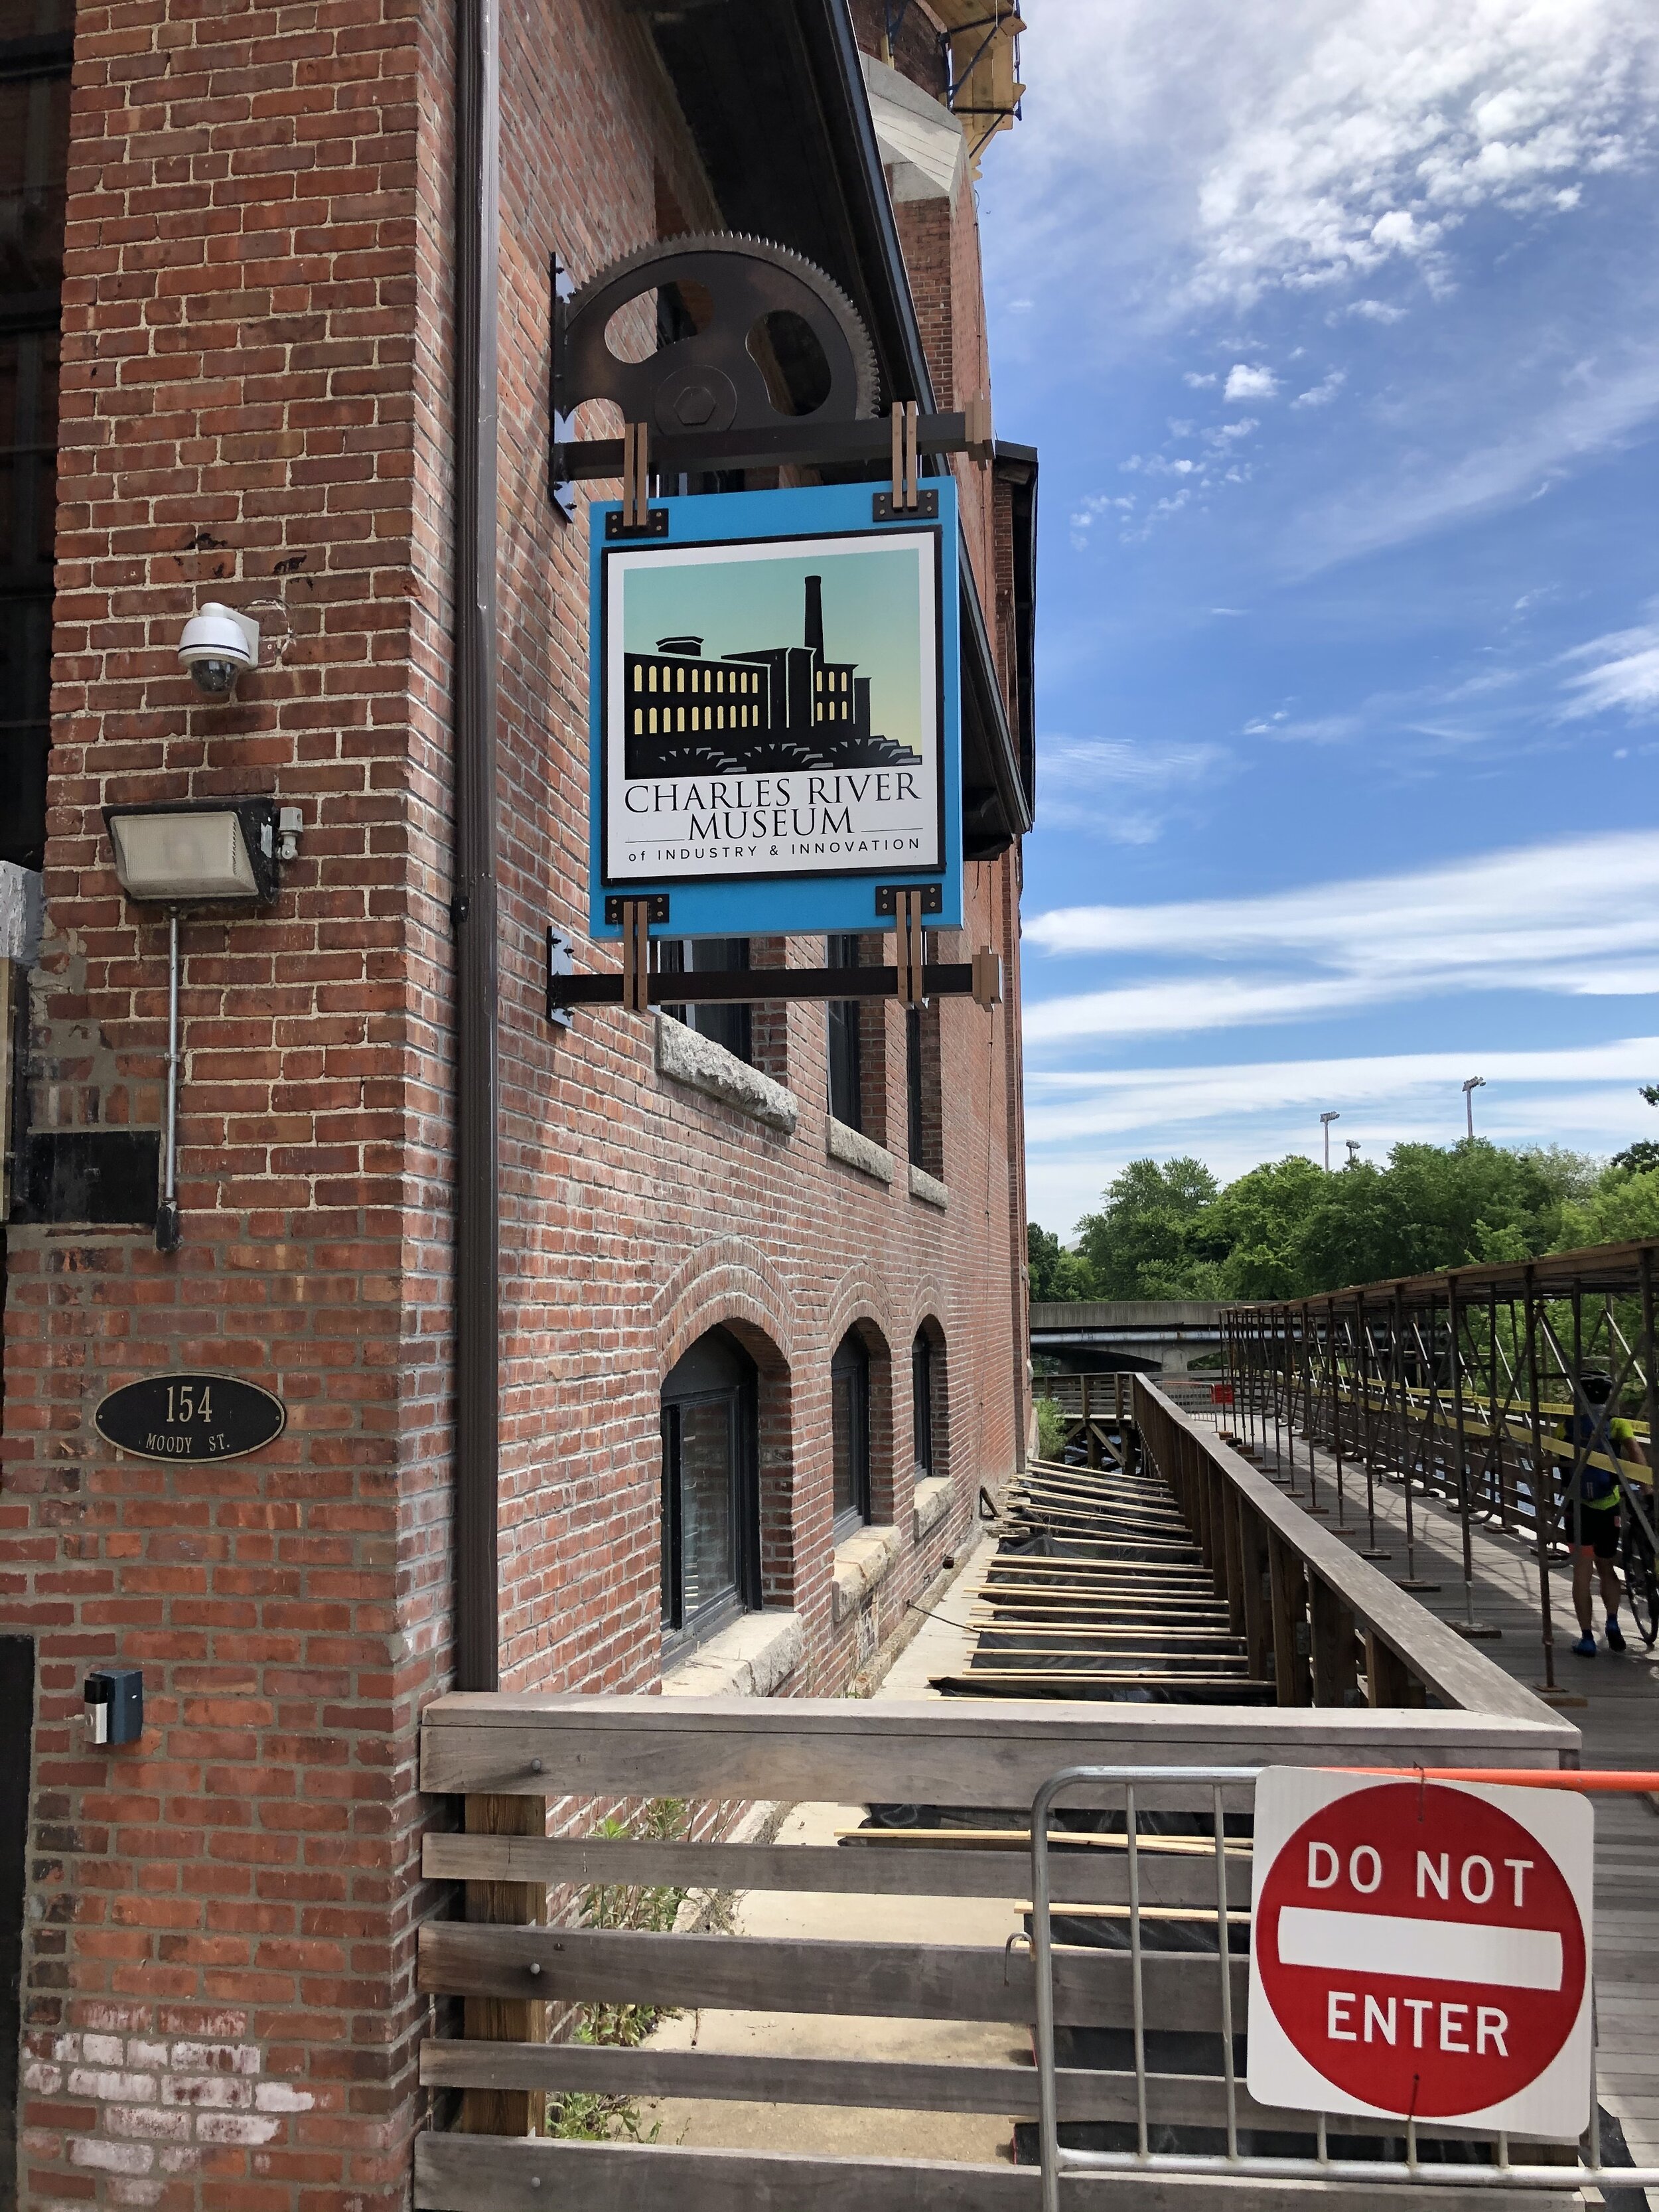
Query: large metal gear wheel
[[780, 341]]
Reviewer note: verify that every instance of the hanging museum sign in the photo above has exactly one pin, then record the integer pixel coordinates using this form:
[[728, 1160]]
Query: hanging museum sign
[[776, 718]]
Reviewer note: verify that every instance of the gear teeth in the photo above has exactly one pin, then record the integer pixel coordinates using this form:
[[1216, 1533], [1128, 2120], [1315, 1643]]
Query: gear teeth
[[867, 374]]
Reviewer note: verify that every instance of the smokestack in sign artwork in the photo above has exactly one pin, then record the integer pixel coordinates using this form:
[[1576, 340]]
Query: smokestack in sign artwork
[[814, 633]]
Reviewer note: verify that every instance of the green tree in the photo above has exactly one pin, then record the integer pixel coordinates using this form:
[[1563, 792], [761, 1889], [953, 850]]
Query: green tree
[[1253, 1233], [1351, 1233], [1477, 1200], [1287, 1229], [1056, 1274], [1141, 1242], [1622, 1207], [1644, 1154]]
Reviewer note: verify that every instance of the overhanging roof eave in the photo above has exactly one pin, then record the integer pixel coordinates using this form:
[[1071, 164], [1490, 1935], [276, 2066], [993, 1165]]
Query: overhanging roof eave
[[773, 92]]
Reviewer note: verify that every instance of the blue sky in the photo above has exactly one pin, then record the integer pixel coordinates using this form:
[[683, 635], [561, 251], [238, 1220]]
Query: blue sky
[[1338, 329]]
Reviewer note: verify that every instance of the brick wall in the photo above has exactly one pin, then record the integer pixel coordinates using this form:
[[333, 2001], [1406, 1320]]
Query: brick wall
[[219, 1987]]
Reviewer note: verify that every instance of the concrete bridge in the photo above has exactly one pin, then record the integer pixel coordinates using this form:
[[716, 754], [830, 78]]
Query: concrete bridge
[[1149, 1336]]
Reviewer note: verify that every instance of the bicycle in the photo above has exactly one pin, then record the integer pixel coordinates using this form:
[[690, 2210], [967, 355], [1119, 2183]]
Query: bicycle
[[1636, 1561]]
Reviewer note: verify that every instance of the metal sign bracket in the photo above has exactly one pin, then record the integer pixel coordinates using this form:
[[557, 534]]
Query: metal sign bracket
[[639, 987]]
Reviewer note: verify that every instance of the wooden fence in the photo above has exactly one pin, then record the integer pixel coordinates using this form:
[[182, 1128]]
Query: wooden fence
[[513, 1761]]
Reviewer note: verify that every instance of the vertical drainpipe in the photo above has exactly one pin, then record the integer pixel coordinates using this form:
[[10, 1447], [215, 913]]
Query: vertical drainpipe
[[477, 1236]]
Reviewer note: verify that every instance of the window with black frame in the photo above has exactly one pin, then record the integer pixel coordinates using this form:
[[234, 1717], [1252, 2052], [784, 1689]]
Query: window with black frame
[[729, 1025], [849, 1406], [921, 1404], [846, 1069], [710, 1501], [36, 54]]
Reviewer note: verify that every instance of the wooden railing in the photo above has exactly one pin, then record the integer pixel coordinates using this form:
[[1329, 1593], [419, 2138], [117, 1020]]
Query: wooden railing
[[1316, 1619], [521, 1763]]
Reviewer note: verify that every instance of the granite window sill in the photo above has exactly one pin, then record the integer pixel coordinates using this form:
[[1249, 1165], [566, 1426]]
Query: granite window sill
[[751, 1658], [854, 1150], [862, 1563], [928, 1188], [930, 1504], [686, 1056]]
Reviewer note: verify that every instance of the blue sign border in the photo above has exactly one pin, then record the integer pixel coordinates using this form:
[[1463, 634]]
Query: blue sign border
[[783, 905]]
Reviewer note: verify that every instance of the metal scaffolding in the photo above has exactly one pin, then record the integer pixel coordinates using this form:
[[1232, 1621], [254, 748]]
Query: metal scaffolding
[[1468, 1386]]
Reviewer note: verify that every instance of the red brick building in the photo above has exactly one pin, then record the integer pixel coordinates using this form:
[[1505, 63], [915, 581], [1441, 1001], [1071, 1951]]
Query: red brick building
[[748, 1361]]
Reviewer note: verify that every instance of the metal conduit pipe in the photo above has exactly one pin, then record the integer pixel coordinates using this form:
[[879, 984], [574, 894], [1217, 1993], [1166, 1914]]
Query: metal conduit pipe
[[473, 906]]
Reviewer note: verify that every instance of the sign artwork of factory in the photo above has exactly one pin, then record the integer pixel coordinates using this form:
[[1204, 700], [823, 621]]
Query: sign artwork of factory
[[772, 707]]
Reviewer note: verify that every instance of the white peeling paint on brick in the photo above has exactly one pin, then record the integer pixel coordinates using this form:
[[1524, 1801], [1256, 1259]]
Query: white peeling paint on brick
[[159, 2102]]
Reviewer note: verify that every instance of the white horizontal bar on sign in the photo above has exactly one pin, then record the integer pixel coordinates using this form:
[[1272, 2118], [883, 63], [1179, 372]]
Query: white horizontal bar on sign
[[1421, 1950]]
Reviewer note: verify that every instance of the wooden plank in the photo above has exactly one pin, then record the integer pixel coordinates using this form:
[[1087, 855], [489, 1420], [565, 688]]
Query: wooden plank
[[1145, 1678], [1070, 1840], [969, 1752], [1130, 1598], [855, 2084], [1388, 1676], [458, 2173], [1334, 1673], [1258, 1626], [1079, 1877], [523, 2016], [754, 1973], [1046, 1644], [1027, 1565]]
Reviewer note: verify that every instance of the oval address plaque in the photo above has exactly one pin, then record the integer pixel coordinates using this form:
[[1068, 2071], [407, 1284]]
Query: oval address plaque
[[189, 1417]]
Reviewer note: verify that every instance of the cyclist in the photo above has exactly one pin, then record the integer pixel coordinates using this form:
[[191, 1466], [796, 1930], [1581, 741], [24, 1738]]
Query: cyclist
[[1593, 1504]]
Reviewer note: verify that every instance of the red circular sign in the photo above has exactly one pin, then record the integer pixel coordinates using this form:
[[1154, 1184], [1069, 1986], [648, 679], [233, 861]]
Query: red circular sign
[[1420, 1949]]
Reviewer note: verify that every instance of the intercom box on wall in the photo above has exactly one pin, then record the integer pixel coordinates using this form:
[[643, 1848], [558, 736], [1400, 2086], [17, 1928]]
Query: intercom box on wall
[[115, 1705]]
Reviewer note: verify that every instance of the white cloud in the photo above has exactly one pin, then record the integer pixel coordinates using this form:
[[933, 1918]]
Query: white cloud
[[1412, 499], [1367, 133], [1199, 383], [1245, 382], [1303, 145], [1376, 311], [1124, 792], [1578, 918], [1313, 730], [1107, 1102], [1084, 1127], [1623, 672], [1323, 393]]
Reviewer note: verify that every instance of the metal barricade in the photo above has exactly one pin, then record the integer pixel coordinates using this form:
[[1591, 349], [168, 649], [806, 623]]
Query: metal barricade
[[1059, 2160]]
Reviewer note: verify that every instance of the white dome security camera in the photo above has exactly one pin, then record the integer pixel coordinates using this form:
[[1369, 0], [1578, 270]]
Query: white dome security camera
[[217, 645]]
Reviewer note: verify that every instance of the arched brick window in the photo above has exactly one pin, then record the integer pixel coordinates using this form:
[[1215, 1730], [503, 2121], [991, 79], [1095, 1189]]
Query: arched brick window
[[849, 1396], [710, 1488]]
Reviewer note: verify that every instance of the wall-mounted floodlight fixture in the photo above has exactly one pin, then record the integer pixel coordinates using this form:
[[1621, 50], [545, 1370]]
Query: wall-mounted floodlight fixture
[[218, 646], [195, 853]]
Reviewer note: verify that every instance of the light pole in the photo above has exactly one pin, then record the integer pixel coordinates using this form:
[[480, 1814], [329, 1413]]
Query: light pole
[[1352, 1144], [1326, 1120], [1475, 1083]]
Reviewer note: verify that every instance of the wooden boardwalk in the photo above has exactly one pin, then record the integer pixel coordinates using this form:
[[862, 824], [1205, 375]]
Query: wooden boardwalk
[[1614, 1700]]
